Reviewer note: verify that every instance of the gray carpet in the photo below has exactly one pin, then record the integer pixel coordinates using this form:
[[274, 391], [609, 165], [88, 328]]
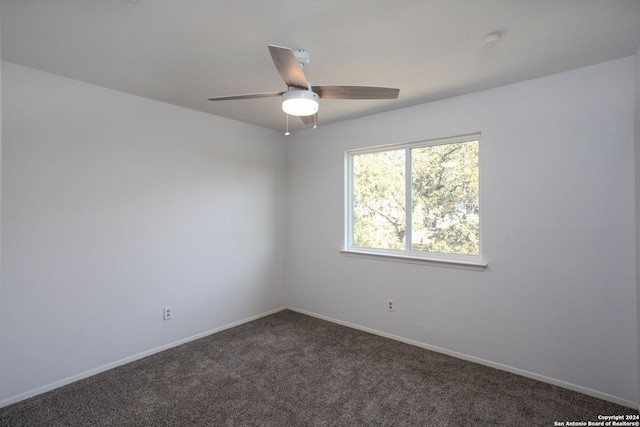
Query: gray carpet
[[289, 369]]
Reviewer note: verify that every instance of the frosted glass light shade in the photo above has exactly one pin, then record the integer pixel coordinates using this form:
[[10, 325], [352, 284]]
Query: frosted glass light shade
[[300, 102]]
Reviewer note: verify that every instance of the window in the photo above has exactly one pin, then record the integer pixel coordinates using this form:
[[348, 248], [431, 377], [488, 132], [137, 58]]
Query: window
[[417, 200]]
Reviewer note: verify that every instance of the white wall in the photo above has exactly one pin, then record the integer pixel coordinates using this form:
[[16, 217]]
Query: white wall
[[558, 300], [0, 193], [637, 189], [114, 206]]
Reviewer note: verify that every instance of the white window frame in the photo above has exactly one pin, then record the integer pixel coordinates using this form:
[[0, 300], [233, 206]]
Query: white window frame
[[471, 262]]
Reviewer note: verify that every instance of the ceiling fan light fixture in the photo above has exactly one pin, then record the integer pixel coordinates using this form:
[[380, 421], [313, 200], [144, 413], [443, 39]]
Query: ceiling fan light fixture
[[299, 102]]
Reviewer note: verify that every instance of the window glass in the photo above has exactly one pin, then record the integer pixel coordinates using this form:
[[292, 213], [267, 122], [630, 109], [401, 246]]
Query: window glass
[[379, 211], [445, 211]]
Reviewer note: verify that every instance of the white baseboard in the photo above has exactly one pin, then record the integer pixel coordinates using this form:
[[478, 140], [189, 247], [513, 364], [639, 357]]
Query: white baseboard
[[542, 378], [510, 369], [103, 368]]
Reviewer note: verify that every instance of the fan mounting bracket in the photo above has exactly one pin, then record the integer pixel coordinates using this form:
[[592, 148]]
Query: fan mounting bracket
[[302, 56]]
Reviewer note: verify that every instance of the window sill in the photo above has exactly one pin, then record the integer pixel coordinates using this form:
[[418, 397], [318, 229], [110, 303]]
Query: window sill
[[435, 262]]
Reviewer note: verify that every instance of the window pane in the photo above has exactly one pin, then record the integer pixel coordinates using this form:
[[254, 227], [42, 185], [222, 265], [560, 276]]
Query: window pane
[[445, 211], [379, 200]]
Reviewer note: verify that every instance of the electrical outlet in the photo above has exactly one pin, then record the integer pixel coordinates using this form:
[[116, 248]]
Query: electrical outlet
[[167, 313], [390, 305]]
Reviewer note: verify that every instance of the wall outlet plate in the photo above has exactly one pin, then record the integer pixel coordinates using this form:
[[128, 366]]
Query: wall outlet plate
[[167, 313]]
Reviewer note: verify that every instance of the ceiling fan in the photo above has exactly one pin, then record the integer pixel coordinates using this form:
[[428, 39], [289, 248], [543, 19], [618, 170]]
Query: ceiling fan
[[301, 98]]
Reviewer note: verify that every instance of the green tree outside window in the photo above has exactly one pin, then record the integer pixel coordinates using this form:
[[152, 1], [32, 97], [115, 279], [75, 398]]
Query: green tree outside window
[[443, 208]]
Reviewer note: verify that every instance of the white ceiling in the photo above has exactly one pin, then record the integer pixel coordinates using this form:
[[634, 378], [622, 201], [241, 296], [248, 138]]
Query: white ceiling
[[183, 51]]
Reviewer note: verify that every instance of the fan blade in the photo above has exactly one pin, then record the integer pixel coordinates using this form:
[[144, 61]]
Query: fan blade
[[288, 67], [356, 92], [308, 120], [247, 96]]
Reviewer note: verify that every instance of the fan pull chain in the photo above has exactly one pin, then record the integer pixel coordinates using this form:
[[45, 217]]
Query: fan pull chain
[[287, 133]]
